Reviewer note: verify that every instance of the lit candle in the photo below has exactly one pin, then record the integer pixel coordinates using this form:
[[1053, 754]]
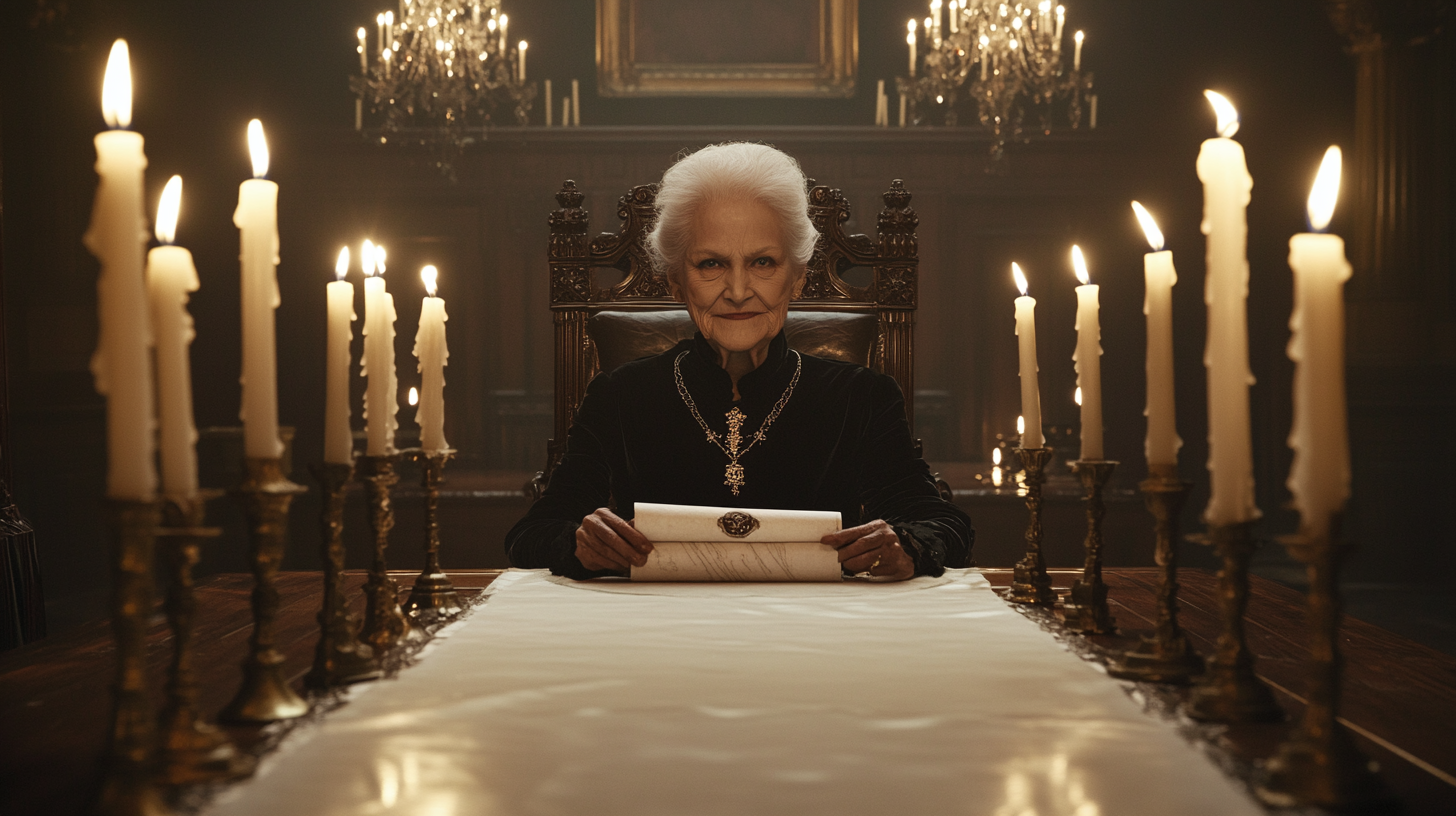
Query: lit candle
[[505, 39], [910, 41], [117, 237], [1319, 478], [954, 14], [433, 354], [1088, 359], [388, 29], [1162, 441], [1061, 21], [170, 276], [985, 57], [547, 107], [1030, 391], [575, 103], [380, 400], [1077, 51], [1226, 186], [521, 62], [257, 219], [363, 56], [935, 20], [338, 436]]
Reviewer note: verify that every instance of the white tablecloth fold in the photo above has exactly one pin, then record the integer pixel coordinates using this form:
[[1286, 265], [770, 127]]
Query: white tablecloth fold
[[927, 697]]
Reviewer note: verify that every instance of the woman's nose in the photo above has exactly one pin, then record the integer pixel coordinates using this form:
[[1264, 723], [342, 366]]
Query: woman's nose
[[736, 285]]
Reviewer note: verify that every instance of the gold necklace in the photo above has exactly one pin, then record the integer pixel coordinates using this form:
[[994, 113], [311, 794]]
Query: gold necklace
[[733, 476]]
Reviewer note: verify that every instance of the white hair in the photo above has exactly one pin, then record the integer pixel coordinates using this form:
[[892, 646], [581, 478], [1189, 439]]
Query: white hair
[[730, 170]]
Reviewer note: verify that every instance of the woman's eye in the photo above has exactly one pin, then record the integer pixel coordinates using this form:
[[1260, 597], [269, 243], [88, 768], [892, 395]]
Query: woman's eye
[[708, 263], [764, 262]]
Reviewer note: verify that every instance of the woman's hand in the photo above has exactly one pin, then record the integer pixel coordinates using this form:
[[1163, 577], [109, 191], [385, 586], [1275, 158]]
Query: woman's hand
[[604, 541], [873, 548]]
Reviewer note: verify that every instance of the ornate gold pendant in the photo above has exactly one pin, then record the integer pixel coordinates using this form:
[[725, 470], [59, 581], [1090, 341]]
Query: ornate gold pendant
[[733, 475]]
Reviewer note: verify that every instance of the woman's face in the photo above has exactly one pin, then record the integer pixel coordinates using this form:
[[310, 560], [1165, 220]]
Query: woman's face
[[737, 279]]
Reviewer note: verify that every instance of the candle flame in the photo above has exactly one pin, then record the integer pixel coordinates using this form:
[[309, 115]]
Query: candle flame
[[1079, 265], [366, 258], [341, 266], [1228, 116], [910, 38], [1079, 37], [1326, 191], [379, 256], [167, 210], [116, 87], [414, 396], [522, 45], [362, 34], [389, 18], [1150, 227], [995, 456], [1017, 275], [910, 25], [258, 148], [1077, 395], [430, 275], [1020, 425]]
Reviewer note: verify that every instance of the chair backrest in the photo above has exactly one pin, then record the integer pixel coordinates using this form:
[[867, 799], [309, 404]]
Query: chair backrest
[[602, 327]]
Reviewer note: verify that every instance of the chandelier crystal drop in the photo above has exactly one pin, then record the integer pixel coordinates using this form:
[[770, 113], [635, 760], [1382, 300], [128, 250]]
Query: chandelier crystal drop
[[437, 69], [1008, 59]]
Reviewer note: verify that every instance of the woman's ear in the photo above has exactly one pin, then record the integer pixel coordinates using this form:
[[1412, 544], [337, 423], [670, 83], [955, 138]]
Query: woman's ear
[[799, 284], [674, 289]]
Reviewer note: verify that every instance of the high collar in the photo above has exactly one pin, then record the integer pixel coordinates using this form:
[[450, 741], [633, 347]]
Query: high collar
[[701, 371]]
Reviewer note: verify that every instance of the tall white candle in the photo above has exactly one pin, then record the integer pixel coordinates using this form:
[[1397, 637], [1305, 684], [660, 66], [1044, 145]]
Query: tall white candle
[[1088, 359], [546, 85], [432, 354], [338, 435], [565, 111], [257, 219], [363, 52], [521, 52], [1319, 478], [1031, 437], [1226, 186], [505, 39], [381, 401], [1162, 441], [117, 237], [170, 277], [902, 110], [910, 41], [1077, 51], [575, 103]]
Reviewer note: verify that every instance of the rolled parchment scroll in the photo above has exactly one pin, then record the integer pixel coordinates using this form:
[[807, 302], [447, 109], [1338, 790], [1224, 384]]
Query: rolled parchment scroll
[[735, 544]]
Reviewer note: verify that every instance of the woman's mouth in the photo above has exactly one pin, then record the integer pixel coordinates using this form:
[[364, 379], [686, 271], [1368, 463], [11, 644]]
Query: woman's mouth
[[739, 315]]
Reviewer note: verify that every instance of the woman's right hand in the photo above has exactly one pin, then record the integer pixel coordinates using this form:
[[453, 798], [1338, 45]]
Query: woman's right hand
[[604, 541]]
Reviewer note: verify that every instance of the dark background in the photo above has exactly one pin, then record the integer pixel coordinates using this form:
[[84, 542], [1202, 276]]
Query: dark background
[[202, 69]]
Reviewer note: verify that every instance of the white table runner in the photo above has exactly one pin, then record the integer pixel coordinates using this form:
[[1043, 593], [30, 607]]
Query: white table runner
[[927, 697]]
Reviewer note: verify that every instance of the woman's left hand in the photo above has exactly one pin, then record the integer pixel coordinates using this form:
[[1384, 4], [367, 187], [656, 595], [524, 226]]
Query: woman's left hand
[[873, 548]]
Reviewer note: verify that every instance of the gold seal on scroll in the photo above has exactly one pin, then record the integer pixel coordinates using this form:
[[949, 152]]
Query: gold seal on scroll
[[737, 524]]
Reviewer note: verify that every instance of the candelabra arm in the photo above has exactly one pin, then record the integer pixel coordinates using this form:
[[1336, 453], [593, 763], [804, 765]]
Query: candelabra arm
[[1030, 582]]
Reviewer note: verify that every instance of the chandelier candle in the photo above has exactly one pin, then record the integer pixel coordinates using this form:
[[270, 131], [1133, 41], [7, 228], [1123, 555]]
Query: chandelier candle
[[1162, 442], [257, 219], [432, 353], [1320, 476], [338, 436], [170, 277], [1026, 339], [521, 55], [380, 396], [1088, 358], [122, 365], [1226, 186], [910, 41]]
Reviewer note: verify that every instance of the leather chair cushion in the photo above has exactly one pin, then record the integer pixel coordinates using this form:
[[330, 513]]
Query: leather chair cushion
[[622, 336]]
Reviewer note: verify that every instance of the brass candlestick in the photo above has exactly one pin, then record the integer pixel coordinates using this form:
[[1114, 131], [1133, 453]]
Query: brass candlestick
[[433, 596], [1086, 608], [193, 750], [384, 623], [340, 657], [1319, 764], [265, 695], [1167, 657], [1229, 691], [1031, 584], [127, 787]]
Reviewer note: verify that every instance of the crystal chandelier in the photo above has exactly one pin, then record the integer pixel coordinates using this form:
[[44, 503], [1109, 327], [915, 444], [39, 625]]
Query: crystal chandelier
[[1006, 57], [440, 69]]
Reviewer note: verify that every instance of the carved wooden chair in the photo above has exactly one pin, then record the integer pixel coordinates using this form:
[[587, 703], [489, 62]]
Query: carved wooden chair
[[600, 328]]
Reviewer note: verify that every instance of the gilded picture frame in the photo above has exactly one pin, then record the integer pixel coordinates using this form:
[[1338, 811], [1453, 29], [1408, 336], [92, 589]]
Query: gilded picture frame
[[743, 48]]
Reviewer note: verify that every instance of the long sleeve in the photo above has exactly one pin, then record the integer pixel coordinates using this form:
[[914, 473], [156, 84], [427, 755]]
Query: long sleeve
[[897, 486], [581, 483]]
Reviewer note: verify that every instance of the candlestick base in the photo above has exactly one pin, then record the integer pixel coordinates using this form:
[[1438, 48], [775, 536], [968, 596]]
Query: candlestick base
[[1167, 657], [192, 749], [1229, 691], [385, 625], [265, 695], [433, 596], [127, 787], [340, 657], [1319, 765], [1085, 609], [1030, 583]]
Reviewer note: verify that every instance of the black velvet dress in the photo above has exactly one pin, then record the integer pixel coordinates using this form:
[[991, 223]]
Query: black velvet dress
[[841, 443]]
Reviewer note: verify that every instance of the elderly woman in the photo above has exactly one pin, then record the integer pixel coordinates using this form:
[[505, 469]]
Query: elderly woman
[[734, 417]]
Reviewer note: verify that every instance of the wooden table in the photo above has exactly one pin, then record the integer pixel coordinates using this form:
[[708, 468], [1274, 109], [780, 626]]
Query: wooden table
[[1400, 699]]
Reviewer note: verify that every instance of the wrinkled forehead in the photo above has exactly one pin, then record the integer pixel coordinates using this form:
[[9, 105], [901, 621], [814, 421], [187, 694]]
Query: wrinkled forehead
[[734, 225]]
